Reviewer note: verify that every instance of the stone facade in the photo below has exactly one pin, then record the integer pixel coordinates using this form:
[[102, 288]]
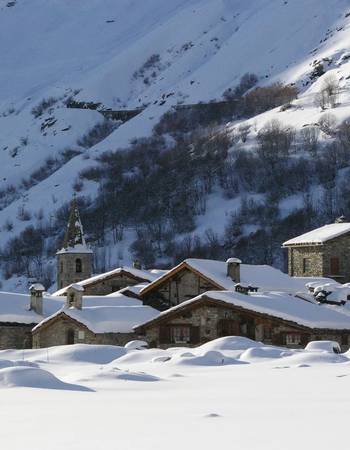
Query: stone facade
[[113, 283], [73, 267], [63, 330], [193, 326], [331, 259], [182, 286], [15, 335]]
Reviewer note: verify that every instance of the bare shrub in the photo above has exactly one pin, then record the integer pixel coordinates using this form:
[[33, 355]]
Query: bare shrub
[[243, 131], [41, 107], [309, 139], [329, 93], [275, 140], [327, 124], [97, 134]]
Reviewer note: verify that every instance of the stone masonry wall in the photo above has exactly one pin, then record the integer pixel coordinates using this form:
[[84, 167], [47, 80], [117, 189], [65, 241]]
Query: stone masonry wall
[[57, 334], [15, 336], [319, 259], [104, 287], [66, 268]]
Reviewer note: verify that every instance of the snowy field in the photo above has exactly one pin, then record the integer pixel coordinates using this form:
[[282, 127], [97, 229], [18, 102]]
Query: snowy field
[[229, 393]]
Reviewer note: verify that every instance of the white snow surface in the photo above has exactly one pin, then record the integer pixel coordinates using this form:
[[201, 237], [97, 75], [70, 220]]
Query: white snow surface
[[320, 235], [228, 392], [15, 308]]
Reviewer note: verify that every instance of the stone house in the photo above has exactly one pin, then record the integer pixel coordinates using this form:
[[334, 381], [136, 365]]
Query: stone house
[[113, 281], [193, 277], [273, 318], [92, 323], [19, 313], [323, 252]]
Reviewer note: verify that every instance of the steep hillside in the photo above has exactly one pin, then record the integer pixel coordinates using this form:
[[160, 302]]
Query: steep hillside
[[154, 55]]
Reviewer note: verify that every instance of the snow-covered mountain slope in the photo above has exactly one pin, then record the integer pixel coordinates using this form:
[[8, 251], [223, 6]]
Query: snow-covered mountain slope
[[154, 54]]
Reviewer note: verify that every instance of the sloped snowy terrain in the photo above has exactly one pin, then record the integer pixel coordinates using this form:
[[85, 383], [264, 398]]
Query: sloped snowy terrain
[[153, 54], [231, 391]]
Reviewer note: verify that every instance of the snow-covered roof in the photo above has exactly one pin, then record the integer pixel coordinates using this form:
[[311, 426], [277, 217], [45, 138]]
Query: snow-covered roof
[[106, 319], [14, 308], [279, 305], [37, 287], [265, 277], [141, 275], [320, 235]]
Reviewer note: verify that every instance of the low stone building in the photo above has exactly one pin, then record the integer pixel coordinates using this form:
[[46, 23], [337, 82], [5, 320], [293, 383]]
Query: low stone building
[[272, 318], [19, 313], [110, 323], [193, 277], [114, 280], [323, 252]]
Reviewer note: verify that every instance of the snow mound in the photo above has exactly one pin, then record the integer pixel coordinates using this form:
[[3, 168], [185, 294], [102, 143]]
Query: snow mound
[[136, 345], [255, 354], [34, 378], [323, 346], [114, 373], [141, 356], [4, 363], [83, 353], [230, 343], [303, 359], [209, 358]]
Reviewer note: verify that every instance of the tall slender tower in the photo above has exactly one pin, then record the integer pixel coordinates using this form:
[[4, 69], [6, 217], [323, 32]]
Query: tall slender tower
[[74, 260]]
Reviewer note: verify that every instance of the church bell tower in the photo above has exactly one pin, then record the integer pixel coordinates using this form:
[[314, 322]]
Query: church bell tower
[[74, 260]]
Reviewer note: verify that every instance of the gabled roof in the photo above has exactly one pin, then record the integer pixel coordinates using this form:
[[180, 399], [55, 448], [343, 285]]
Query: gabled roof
[[104, 319], [265, 277], [14, 308], [136, 274], [320, 235], [276, 305]]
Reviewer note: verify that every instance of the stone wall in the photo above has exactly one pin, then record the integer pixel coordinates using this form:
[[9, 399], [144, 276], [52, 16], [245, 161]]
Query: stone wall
[[66, 268], [112, 284], [319, 259], [15, 336], [217, 321], [61, 331], [183, 286]]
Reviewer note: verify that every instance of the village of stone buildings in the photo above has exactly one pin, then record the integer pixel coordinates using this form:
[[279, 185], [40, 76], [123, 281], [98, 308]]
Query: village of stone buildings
[[197, 301]]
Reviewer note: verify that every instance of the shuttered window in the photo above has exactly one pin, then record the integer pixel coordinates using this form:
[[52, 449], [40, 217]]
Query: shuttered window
[[334, 266]]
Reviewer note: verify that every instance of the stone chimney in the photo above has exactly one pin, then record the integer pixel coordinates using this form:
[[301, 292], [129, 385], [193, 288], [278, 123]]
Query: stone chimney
[[234, 269], [137, 265], [74, 296], [36, 297]]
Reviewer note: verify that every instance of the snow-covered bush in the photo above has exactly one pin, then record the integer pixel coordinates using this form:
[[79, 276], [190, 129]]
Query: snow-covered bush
[[44, 105]]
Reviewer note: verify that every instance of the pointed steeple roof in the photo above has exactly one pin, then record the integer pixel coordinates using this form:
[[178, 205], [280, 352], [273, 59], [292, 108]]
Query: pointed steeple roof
[[74, 239]]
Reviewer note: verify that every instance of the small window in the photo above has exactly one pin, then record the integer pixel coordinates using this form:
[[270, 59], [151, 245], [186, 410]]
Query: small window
[[293, 339], [180, 334], [78, 265], [81, 335], [334, 266], [306, 265], [61, 267]]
